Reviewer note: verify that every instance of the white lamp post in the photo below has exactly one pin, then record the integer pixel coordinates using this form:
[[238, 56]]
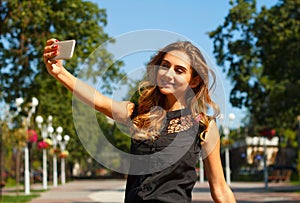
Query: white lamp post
[[45, 130], [53, 136], [31, 111], [201, 170], [19, 102], [62, 144], [226, 132]]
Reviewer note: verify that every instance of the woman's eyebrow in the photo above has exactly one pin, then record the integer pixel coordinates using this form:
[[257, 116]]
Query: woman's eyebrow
[[177, 66], [165, 61], [182, 67]]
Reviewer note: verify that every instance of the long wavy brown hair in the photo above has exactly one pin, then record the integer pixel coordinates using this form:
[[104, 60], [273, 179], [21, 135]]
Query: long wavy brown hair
[[152, 103]]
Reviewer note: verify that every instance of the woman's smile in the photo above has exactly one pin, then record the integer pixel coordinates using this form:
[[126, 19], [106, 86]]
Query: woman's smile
[[165, 83]]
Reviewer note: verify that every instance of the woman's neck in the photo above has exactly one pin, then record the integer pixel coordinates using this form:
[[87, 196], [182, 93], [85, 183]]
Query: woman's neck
[[173, 104]]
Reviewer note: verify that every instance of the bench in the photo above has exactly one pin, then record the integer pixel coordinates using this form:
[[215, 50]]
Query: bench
[[280, 175]]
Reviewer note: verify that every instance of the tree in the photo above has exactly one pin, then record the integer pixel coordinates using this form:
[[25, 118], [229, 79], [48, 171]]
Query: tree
[[25, 27], [261, 50]]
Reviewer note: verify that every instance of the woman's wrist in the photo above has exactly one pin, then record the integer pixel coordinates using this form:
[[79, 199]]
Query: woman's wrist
[[66, 78]]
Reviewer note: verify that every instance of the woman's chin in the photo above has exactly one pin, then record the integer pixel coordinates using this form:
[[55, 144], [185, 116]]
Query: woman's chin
[[166, 91]]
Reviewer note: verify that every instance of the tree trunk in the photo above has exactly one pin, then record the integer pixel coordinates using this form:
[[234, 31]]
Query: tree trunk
[[17, 171]]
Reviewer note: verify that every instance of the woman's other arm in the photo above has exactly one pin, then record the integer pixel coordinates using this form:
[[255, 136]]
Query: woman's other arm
[[220, 191]]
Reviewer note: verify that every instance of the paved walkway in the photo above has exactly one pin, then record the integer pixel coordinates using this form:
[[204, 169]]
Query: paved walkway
[[112, 191]]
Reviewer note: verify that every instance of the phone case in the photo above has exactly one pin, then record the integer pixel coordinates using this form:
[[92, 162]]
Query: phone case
[[65, 49]]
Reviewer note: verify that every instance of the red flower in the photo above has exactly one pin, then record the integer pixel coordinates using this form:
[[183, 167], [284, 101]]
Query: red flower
[[43, 145], [32, 136]]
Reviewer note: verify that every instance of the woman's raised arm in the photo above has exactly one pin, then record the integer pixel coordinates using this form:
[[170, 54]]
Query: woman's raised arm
[[119, 111]]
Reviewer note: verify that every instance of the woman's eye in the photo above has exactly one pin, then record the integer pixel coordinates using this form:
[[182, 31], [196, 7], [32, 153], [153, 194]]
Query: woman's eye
[[164, 65], [179, 70]]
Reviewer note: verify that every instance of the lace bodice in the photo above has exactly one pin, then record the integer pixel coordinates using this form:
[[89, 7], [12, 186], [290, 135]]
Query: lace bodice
[[180, 124]]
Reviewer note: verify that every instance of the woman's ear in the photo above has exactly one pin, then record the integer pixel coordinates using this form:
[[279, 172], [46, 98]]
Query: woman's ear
[[195, 81]]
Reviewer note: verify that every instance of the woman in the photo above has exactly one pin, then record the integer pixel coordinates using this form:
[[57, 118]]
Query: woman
[[169, 125]]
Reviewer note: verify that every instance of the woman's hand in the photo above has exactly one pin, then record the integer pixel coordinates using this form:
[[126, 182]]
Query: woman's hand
[[54, 67]]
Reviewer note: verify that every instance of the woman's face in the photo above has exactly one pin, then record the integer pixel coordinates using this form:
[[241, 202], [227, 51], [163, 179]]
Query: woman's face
[[174, 74]]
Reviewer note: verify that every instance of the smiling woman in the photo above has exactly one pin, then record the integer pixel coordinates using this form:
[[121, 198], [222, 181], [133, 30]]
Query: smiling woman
[[169, 124]]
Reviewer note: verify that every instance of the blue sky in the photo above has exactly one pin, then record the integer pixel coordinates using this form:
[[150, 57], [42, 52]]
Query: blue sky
[[190, 18]]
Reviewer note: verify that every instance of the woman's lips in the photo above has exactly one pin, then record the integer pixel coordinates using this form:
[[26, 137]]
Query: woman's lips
[[166, 84]]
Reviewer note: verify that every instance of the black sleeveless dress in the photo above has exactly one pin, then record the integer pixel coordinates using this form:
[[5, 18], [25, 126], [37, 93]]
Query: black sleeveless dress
[[167, 172]]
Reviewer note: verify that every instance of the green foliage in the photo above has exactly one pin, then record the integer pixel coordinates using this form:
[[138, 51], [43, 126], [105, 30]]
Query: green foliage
[[25, 28], [259, 49], [291, 139], [133, 93], [122, 140], [10, 182]]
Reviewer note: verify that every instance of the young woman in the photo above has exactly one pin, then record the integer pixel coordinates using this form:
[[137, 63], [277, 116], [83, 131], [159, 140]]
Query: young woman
[[169, 125]]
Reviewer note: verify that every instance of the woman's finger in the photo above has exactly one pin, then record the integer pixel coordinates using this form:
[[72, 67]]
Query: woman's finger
[[51, 48], [49, 55], [51, 41]]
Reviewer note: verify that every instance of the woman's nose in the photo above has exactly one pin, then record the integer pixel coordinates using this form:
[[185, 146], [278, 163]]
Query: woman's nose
[[170, 73]]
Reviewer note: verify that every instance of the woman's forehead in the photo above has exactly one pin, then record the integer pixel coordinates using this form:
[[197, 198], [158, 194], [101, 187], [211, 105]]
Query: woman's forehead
[[178, 57]]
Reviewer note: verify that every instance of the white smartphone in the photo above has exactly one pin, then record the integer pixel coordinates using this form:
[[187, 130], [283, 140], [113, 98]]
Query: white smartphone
[[65, 49]]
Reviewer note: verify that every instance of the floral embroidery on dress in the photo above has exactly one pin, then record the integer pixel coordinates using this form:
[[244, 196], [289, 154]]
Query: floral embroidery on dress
[[180, 124]]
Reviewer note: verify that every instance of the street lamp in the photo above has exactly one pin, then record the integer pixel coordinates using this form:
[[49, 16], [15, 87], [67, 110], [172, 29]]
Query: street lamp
[[45, 130], [231, 117], [226, 132], [31, 111], [53, 136], [62, 144]]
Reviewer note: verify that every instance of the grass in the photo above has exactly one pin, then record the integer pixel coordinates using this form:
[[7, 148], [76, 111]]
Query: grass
[[295, 182], [17, 199], [18, 196]]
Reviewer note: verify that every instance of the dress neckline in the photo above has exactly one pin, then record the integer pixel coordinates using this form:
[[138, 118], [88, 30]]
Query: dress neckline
[[178, 113]]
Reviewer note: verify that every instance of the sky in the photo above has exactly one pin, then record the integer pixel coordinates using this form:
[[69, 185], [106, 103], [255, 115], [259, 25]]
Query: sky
[[192, 19]]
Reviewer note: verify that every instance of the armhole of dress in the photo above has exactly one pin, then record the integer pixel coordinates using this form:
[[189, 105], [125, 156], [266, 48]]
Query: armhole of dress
[[201, 130], [135, 111]]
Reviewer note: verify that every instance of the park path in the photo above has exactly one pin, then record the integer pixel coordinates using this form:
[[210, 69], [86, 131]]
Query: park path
[[112, 191]]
